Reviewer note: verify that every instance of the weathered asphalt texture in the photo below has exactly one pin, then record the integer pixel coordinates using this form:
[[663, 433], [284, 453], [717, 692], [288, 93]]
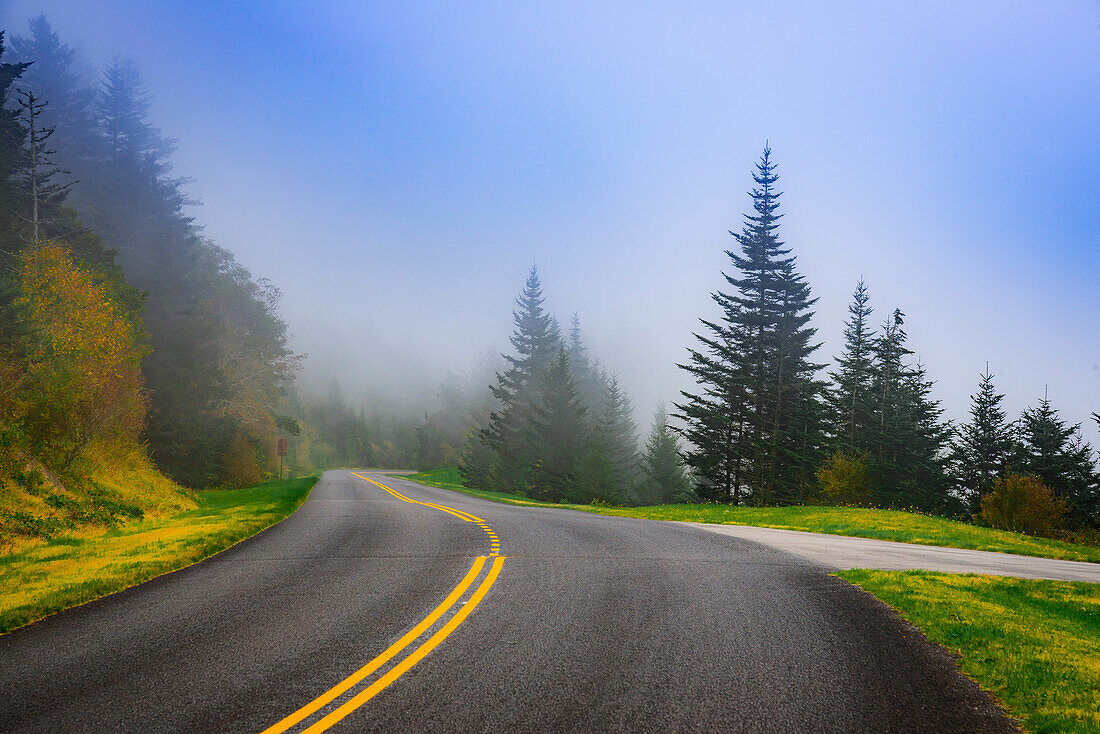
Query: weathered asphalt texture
[[595, 624]]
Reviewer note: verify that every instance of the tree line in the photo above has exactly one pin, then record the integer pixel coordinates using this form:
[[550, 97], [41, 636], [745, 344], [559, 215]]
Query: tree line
[[556, 425], [118, 318], [121, 323], [767, 424]]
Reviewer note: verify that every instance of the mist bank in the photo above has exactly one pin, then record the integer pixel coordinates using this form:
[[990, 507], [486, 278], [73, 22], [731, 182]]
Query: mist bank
[[222, 377]]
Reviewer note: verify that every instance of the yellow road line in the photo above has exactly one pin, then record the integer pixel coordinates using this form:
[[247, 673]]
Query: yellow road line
[[409, 637], [457, 513], [494, 540], [345, 685], [398, 670]]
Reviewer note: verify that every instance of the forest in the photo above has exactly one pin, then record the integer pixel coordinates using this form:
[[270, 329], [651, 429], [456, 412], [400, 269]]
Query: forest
[[125, 330]]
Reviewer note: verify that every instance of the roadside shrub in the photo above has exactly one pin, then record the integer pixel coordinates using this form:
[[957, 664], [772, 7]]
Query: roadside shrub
[[242, 467], [1023, 504], [846, 479], [11, 415]]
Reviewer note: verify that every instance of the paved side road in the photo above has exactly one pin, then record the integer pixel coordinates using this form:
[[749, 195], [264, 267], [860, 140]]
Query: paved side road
[[838, 552]]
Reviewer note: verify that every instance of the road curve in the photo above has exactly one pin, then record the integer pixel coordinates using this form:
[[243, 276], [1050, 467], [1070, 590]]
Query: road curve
[[592, 623]]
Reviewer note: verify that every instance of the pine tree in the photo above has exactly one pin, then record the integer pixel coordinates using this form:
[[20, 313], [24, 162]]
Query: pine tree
[[611, 447], [57, 76], [761, 354], [536, 341], [12, 137], [590, 377], [1055, 452], [909, 439], [43, 194], [926, 484], [715, 420], [982, 447], [851, 397], [664, 480], [556, 434]]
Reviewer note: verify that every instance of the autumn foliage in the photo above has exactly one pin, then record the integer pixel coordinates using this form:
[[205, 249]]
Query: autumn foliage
[[81, 379]]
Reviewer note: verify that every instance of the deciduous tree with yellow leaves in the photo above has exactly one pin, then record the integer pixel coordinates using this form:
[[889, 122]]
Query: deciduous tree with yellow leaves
[[82, 359]]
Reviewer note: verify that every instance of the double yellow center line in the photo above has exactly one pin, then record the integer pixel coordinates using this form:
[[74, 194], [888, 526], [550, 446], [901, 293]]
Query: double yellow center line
[[409, 638], [494, 541]]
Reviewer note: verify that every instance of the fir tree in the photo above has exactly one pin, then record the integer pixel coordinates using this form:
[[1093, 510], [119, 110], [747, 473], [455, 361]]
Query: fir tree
[[590, 377], [761, 355], [715, 420], [851, 397], [556, 434], [56, 75], [44, 195], [983, 445], [664, 480], [611, 452], [1055, 452], [909, 438], [536, 341], [12, 137]]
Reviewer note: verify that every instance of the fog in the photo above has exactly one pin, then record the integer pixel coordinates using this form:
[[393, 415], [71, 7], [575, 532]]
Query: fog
[[396, 168]]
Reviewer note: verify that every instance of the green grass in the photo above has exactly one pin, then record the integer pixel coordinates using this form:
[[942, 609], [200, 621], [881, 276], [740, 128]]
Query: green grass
[[906, 527], [1035, 645], [67, 571]]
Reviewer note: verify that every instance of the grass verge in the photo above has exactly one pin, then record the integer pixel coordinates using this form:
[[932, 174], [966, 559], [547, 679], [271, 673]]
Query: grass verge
[[906, 527], [1035, 645], [70, 570]]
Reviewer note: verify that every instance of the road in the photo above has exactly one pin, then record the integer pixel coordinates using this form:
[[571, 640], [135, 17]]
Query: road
[[836, 552], [579, 622]]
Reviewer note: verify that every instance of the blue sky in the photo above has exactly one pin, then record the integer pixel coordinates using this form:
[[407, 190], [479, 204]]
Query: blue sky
[[396, 168]]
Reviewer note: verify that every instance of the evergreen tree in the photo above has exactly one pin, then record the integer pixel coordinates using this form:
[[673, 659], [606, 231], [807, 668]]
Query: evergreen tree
[[536, 341], [761, 353], [611, 451], [1055, 452], [850, 400], [57, 76], [590, 377], [910, 438], [617, 421], [982, 447], [925, 482], [12, 137], [556, 435], [716, 419], [664, 480], [41, 192]]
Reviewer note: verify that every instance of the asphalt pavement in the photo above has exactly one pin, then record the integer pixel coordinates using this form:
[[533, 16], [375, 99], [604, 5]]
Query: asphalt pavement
[[836, 552], [570, 622]]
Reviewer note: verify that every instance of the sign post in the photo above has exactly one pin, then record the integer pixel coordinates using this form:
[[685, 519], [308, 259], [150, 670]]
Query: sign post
[[281, 450]]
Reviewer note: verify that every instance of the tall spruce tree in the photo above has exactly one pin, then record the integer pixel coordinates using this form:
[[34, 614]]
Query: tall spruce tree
[[57, 76], [12, 138], [610, 463], [850, 399], [910, 438], [1055, 452], [715, 419], [762, 351], [982, 446], [536, 341], [43, 194], [556, 435], [590, 376], [663, 477]]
